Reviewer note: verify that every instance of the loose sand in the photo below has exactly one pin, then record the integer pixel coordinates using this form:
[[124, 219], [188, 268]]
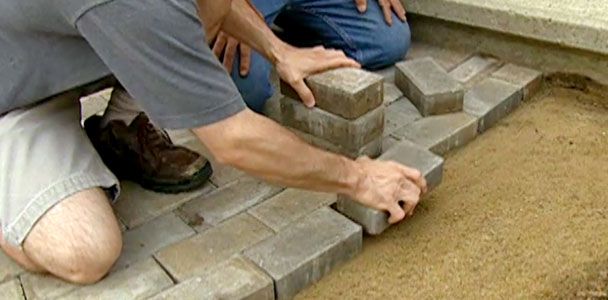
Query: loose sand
[[522, 213]]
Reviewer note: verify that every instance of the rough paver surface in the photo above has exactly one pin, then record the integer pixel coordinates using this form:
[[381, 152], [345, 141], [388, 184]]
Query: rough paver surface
[[491, 100], [371, 149], [8, 268], [429, 86], [201, 252], [237, 278], [351, 134], [11, 290], [305, 251], [346, 92], [472, 67], [525, 78]]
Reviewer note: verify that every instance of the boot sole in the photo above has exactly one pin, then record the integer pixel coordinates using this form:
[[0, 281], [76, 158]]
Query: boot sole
[[196, 181]]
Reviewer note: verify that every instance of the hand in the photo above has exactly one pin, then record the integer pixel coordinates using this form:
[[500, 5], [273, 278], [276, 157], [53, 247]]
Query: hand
[[391, 187], [388, 6], [228, 45], [295, 64]]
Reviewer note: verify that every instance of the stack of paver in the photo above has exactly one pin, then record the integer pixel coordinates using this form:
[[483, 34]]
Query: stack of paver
[[348, 117], [242, 238]]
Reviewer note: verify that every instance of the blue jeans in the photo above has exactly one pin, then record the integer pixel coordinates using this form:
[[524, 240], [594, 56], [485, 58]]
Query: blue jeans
[[332, 23]]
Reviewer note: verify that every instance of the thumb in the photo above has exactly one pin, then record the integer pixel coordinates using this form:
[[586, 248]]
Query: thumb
[[397, 213], [361, 5]]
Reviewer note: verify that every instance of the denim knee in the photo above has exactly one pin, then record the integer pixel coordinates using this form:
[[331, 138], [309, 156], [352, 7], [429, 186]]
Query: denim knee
[[255, 88], [391, 43]]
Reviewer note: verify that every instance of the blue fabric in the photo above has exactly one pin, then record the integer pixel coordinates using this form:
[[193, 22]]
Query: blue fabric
[[332, 23]]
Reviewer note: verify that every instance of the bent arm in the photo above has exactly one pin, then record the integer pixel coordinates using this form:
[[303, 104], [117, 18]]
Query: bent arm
[[261, 147]]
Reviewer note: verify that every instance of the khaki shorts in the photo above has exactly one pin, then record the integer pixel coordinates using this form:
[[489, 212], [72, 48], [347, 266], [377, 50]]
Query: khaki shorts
[[45, 156]]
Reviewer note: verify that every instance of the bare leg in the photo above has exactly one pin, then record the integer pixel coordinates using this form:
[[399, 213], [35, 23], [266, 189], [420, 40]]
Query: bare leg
[[77, 240]]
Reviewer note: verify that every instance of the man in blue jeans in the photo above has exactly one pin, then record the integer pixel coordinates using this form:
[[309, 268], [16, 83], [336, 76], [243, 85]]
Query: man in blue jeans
[[374, 33]]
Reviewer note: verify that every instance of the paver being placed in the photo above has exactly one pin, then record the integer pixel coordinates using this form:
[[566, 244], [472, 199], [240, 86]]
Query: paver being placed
[[11, 290], [290, 205], [346, 92], [147, 239], [399, 114], [8, 267], [137, 205], [440, 134], [228, 201], [429, 87], [238, 278], [491, 100], [527, 79], [306, 250], [139, 281], [472, 67], [372, 149], [203, 251], [430, 165], [350, 134]]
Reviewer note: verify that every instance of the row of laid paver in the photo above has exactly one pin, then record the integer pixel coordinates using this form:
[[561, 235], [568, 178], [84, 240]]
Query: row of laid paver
[[227, 201], [473, 67]]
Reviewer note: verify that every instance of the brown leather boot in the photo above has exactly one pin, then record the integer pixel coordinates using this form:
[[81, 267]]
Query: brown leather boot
[[144, 154]]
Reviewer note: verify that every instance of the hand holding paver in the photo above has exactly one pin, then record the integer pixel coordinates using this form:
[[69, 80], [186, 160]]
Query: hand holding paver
[[298, 63], [386, 185]]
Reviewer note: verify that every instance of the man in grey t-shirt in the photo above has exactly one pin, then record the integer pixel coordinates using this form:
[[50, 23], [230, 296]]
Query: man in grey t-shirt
[[54, 211]]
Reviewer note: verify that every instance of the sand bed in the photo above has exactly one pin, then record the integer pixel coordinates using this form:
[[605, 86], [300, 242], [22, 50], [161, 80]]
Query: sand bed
[[522, 212]]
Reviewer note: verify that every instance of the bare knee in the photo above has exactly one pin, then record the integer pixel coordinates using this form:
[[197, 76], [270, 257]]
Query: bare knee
[[78, 240]]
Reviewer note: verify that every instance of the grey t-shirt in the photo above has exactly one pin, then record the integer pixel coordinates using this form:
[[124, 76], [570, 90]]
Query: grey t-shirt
[[156, 49]]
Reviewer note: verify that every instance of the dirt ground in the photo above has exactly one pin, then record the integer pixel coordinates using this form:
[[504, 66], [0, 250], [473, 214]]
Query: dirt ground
[[522, 213]]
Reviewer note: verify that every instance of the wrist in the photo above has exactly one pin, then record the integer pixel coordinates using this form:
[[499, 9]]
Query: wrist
[[352, 178], [276, 53]]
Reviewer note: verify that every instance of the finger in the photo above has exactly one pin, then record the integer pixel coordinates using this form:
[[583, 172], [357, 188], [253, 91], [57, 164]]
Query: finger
[[245, 59], [399, 9], [229, 54], [409, 196], [336, 62], [415, 176], [386, 10], [361, 5], [219, 45], [304, 92], [396, 213]]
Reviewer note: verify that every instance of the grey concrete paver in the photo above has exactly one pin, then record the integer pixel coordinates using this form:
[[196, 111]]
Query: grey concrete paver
[[139, 281], [201, 252], [145, 240], [407, 153], [391, 93], [429, 87], [399, 114], [491, 100], [472, 67], [289, 206], [11, 290], [350, 134], [228, 200], [8, 267], [238, 278], [306, 250], [39, 286], [346, 92], [442, 133], [529, 80], [371, 149], [447, 58], [137, 205]]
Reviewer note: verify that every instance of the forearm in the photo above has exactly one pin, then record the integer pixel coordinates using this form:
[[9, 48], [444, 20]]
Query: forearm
[[246, 25], [264, 149]]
